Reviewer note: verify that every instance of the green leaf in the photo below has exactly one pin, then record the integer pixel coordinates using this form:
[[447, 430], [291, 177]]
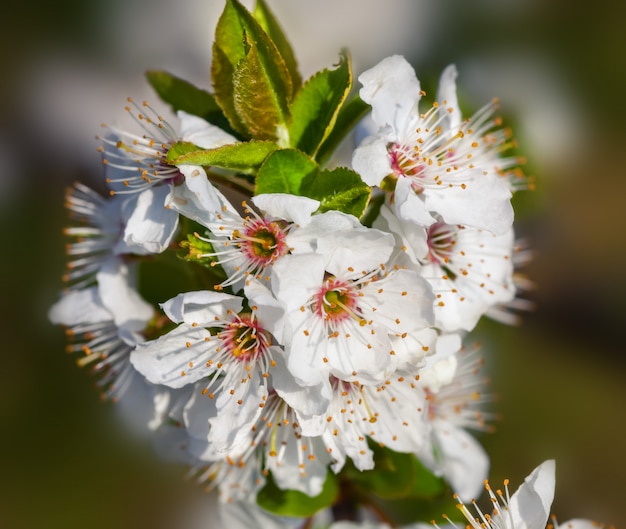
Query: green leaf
[[271, 26], [410, 510], [349, 115], [179, 149], [396, 476], [284, 171], [182, 95], [316, 105], [296, 503], [341, 189], [244, 157], [245, 61], [261, 87], [228, 50]]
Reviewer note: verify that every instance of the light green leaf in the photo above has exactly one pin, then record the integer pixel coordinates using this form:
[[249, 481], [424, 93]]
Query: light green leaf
[[261, 87], [271, 26], [316, 105], [296, 503], [244, 157], [350, 114], [283, 172], [245, 61], [228, 50], [341, 189]]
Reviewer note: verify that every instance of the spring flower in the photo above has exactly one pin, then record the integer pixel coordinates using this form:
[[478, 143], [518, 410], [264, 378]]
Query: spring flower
[[232, 349], [344, 309], [105, 322], [454, 393], [274, 443], [391, 414], [470, 270], [247, 247], [434, 161], [136, 164], [527, 508], [103, 228]]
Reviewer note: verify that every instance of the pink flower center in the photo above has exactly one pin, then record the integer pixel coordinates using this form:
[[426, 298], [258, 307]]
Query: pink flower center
[[245, 339], [405, 161], [336, 301], [441, 241], [262, 241]]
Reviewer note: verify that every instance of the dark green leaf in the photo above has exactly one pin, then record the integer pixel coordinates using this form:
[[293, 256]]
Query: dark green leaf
[[271, 26], [295, 503], [410, 510], [181, 94], [261, 87], [283, 172], [244, 157], [425, 483], [396, 476], [341, 189], [316, 105], [349, 115]]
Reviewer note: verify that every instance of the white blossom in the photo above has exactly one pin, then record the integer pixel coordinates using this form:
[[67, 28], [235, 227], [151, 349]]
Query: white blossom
[[437, 163]]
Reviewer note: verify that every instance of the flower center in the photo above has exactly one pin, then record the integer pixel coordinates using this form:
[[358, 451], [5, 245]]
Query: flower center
[[441, 241], [405, 160], [245, 339], [262, 241], [336, 301]]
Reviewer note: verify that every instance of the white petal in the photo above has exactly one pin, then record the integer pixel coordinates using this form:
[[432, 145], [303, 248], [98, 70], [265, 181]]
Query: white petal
[[295, 278], [201, 307], [530, 505], [446, 96], [129, 310], [168, 360], [269, 311], [409, 206], [355, 251], [485, 203], [371, 159], [197, 412], [406, 299], [197, 198], [79, 306], [288, 207], [150, 226], [201, 133], [392, 89], [288, 474], [231, 428], [305, 400], [462, 460], [400, 416], [412, 237]]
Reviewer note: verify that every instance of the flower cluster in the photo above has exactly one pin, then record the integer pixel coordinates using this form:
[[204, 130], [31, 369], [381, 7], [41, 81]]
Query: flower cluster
[[278, 324]]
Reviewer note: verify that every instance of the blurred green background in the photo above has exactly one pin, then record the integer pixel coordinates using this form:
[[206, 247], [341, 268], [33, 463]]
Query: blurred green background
[[559, 69]]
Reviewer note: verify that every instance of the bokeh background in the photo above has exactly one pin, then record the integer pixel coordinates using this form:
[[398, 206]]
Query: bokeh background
[[66, 459]]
